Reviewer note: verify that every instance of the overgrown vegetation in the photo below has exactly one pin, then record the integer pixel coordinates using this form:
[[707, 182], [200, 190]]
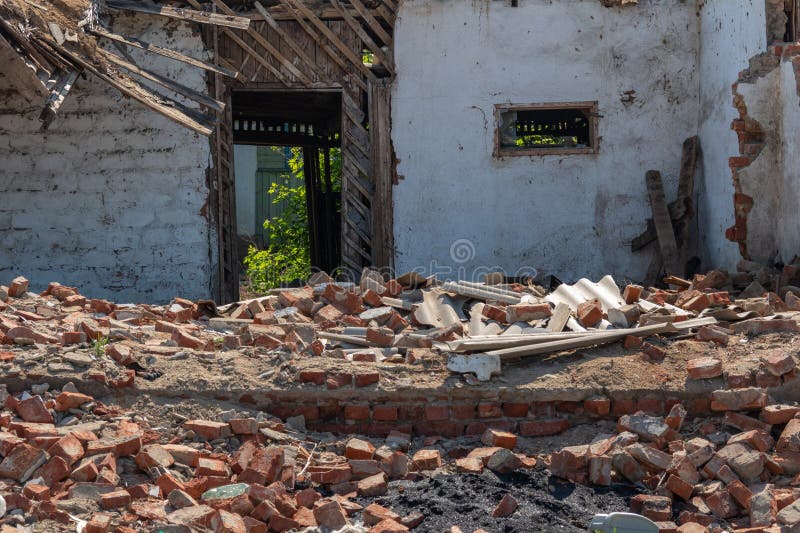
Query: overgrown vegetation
[[287, 258]]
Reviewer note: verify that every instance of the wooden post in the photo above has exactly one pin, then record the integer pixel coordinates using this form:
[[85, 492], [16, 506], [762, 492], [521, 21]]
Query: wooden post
[[382, 171]]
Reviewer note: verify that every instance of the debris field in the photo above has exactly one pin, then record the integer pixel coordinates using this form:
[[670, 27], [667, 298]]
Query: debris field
[[297, 409]]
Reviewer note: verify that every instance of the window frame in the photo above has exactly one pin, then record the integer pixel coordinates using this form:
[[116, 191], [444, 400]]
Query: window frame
[[591, 106]]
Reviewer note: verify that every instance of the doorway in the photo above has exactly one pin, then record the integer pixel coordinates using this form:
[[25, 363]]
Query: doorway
[[287, 171]]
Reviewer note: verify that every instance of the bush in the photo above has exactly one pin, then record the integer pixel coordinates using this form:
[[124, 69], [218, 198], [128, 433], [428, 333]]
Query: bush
[[287, 257]]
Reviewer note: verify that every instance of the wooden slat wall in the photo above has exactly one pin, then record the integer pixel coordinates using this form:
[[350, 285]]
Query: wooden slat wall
[[331, 70]]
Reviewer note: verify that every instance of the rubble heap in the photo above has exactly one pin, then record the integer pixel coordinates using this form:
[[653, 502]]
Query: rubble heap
[[738, 472]]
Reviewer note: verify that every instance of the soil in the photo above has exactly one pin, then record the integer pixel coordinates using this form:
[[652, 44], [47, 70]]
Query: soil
[[467, 500]]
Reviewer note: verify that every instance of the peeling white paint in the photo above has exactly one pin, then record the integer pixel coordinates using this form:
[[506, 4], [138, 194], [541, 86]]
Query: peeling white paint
[[732, 31], [109, 199]]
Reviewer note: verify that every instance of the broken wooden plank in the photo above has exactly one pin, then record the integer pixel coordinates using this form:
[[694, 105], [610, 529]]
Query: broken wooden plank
[[364, 36], [559, 318], [57, 97], [334, 39], [289, 40], [661, 218], [255, 55], [166, 52], [172, 85], [376, 27], [131, 88], [268, 46], [202, 17]]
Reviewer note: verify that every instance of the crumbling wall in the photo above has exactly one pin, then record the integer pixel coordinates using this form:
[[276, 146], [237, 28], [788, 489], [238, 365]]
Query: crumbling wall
[[789, 228], [112, 197], [567, 215], [731, 32]]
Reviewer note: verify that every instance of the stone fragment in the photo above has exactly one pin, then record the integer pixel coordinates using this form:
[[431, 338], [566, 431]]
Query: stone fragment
[[503, 461]]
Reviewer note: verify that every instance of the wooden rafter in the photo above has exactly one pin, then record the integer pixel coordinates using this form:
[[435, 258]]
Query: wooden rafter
[[203, 17], [354, 58], [335, 57], [289, 40], [136, 91], [376, 50], [172, 85], [257, 37], [376, 27], [166, 52]]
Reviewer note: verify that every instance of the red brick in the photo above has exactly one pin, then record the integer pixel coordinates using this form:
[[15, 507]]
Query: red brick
[[364, 379], [99, 523], [515, 410], [68, 448], [113, 500], [208, 430], [600, 406], [437, 412], [590, 313], [704, 368], [489, 410], [463, 411], [632, 294], [502, 439], [34, 410], [356, 412], [541, 428], [384, 413], [632, 341], [37, 492], [22, 462]]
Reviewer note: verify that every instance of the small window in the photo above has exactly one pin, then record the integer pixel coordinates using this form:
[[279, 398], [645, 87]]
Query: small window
[[542, 129]]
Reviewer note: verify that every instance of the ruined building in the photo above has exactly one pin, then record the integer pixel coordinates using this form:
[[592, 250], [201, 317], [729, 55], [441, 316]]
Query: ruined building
[[125, 186]]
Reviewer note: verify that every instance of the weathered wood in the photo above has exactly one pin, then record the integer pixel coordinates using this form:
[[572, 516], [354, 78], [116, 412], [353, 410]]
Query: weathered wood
[[255, 55], [381, 173], [364, 36], [260, 39], [664, 229], [57, 96], [140, 94], [385, 14], [686, 192], [172, 85], [203, 17], [354, 58], [166, 52], [376, 27], [310, 63], [335, 57]]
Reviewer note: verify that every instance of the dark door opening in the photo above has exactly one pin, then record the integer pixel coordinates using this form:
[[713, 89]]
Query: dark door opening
[[288, 172]]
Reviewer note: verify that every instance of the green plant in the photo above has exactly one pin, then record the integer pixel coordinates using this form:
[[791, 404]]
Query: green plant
[[99, 346], [287, 257]]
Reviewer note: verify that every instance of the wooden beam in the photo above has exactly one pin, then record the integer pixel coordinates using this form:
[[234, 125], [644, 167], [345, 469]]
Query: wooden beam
[[57, 96], [664, 229], [249, 49], [257, 37], [131, 88], [335, 57], [289, 40], [385, 14], [334, 39], [203, 17], [372, 22], [376, 50], [166, 52], [172, 85], [686, 192], [382, 172]]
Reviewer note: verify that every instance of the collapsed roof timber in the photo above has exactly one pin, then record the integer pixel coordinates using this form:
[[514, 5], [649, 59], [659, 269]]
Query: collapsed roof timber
[[58, 41]]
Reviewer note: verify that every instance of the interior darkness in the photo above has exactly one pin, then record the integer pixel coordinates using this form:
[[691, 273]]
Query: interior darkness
[[310, 120]]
